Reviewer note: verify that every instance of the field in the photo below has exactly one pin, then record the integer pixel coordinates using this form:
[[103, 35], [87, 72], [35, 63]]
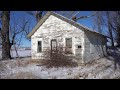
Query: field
[[21, 53]]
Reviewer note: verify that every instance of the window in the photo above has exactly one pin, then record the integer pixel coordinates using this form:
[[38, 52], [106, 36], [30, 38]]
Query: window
[[39, 46], [79, 46], [69, 42]]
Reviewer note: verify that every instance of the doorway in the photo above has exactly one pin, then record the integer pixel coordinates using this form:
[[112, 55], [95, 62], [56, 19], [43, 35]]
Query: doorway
[[53, 45], [68, 48]]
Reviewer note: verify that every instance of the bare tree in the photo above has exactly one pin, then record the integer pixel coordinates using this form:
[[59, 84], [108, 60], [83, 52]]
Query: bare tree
[[0, 40], [112, 22], [18, 29], [109, 25], [116, 26], [6, 45], [37, 14], [8, 33], [105, 19], [98, 22], [83, 17]]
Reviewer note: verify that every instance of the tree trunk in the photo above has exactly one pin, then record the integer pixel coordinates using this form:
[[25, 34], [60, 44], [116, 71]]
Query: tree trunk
[[111, 35], [118, 39], [6, 45], [17, 56], [110, 29]]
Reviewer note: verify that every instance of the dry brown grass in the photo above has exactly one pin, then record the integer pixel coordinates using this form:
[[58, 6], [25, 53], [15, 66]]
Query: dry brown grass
[[24, 63], [22, 75], [58, 63], [57, 58], [18, 63], [2, 66], [34, 61]]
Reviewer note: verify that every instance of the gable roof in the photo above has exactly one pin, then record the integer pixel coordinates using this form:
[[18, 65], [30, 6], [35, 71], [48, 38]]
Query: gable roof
[[62, 18]]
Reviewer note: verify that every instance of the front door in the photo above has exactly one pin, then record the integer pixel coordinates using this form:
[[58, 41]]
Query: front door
[[53, 45], [68, 48]]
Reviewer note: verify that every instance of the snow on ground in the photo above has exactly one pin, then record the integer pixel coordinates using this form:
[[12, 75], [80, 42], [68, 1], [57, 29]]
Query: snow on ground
[[25, 68], [31, 69]]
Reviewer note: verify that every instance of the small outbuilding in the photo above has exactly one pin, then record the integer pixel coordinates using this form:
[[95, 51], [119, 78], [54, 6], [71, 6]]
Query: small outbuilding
[[54, 30]]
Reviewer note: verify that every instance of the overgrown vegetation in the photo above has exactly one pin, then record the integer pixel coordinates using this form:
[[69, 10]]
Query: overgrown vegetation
[[57, 58]]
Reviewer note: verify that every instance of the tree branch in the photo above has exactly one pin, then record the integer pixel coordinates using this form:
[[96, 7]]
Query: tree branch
[[13, 38], [83, 17], [15, 32], [30, 12]]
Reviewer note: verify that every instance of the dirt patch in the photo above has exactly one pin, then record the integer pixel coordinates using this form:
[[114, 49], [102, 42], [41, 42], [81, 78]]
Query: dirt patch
[[34, 61], [59, 63]]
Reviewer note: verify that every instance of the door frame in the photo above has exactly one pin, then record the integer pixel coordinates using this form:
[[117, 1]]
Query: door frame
[[67, 48], [51, 45]]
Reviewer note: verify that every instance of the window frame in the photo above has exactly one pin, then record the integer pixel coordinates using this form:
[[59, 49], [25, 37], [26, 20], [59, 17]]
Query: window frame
[[69, 46], [39, 47], [55, 41]]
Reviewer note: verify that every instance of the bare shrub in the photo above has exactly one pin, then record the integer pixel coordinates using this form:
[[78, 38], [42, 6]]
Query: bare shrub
[[57, 58]]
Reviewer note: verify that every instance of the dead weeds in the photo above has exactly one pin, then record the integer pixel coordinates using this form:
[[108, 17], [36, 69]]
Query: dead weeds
[[22, 75]]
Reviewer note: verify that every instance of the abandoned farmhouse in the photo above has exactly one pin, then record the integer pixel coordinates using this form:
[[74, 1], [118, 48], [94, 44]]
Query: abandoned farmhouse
[[55, 30]]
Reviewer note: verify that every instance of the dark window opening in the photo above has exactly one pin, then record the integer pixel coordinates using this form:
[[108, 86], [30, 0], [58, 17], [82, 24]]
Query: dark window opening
[[39, 46], [79, 46]]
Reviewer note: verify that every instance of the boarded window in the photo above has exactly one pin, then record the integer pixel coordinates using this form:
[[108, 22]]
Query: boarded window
[[69, 42], [39, 46]]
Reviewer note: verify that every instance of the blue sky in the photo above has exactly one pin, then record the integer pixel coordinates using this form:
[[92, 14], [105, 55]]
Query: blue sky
[[27, 43]]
